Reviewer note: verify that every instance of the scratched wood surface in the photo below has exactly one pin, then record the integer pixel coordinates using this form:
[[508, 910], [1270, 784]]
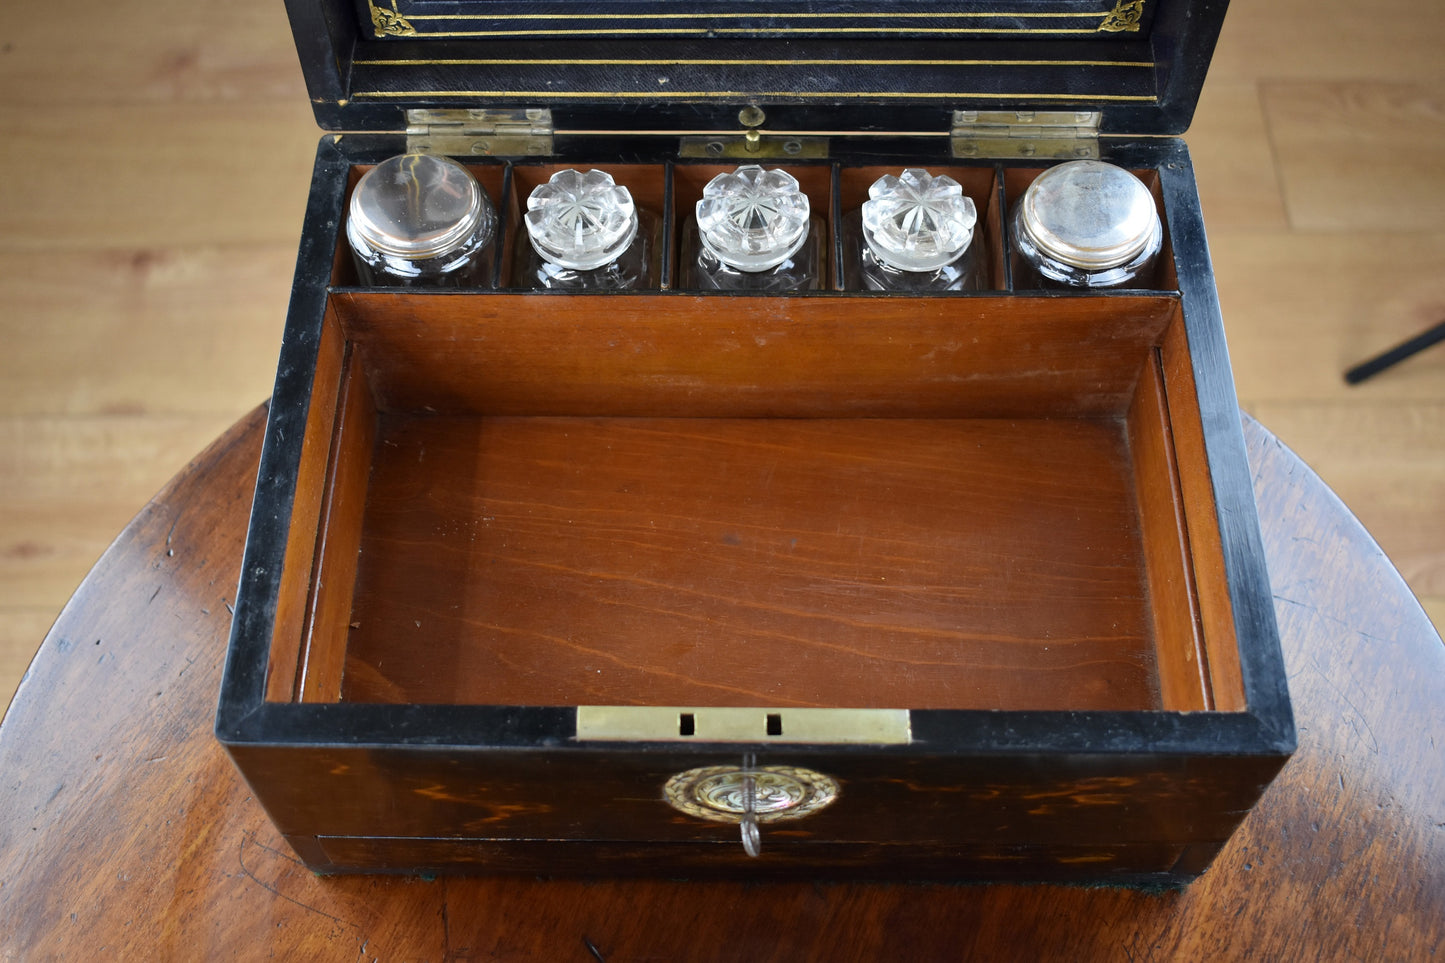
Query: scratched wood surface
[[126, 834]]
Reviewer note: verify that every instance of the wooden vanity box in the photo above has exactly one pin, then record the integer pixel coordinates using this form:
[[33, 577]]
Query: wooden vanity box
[[981, 573]]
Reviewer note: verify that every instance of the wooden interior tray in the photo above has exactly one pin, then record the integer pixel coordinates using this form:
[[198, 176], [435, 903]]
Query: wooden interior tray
[[905, 503], [1018, 521]]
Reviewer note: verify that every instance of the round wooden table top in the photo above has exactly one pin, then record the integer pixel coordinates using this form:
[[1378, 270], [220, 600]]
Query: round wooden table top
[[125, 833]]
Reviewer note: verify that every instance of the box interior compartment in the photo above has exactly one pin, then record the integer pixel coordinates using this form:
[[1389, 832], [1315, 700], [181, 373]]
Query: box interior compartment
[[999, 502], [671, 191]]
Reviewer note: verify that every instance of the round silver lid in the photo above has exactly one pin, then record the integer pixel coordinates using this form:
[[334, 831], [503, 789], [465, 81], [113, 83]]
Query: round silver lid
[[1089, 214], [417, 205]]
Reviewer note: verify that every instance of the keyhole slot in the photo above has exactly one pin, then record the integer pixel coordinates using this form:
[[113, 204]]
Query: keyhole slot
[[775, 724], [686, 724]]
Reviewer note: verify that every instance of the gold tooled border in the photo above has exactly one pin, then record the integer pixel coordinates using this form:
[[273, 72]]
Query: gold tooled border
[[552, 95], [1125, 17], [744, 62]]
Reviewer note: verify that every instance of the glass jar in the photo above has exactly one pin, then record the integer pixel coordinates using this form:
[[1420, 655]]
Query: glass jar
[[914, 234], [584, 233], [753, 230], [420, 220], [1086, 224]]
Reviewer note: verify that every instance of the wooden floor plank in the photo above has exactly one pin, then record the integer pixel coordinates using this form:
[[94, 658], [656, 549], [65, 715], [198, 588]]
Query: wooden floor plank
[[21, 630], [106, 53], [151, 329], [1233, 160], [153, 175], [1359, 156], [1435, 608], [1301, 308], [1331, 40]]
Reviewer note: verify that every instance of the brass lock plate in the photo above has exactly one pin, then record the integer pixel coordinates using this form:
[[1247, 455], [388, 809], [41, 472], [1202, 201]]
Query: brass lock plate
[[876, 727]]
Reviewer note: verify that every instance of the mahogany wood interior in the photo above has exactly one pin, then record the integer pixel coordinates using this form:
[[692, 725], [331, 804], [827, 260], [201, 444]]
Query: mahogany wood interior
[[1206, 549], [291, 625], [679, 355], [997, 502], [693, 561]]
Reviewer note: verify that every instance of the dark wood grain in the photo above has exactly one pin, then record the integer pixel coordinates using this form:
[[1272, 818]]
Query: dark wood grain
[[125, 832]]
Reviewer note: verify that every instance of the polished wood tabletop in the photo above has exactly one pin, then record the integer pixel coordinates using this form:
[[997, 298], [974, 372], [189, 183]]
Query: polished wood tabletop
[[125, 833]]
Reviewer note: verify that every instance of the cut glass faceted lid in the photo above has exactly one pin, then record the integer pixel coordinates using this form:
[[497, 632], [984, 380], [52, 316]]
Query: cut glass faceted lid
[[581, 221], [418, 206], [752, 219], [918, 222], [1089, 214]]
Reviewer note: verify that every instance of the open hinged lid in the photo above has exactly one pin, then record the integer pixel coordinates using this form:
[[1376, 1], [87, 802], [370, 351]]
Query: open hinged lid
[[1121, 66]]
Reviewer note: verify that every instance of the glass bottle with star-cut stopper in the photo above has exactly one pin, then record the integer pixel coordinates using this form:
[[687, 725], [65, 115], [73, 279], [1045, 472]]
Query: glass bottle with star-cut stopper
[[584, 233], [914, 234], [753, 230]]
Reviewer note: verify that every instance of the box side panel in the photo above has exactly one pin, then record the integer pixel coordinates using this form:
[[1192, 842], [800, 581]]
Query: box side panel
[[1224, 462], [1183, 675], [339, 539], [1220, 643], [295, 596], [1073, 803]]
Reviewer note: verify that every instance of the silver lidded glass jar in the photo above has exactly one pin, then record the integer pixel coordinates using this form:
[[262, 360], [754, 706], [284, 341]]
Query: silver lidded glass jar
[[585, 233], [753, 230], [914, 234], [421, 220], [1086, 224]]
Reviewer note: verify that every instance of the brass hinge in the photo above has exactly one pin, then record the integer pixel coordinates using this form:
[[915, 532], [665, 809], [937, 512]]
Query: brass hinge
[[522, 132], [1045, 134]]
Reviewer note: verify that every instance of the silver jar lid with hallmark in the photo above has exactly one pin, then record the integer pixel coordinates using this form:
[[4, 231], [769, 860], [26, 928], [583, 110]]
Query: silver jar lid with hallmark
[[1089, 215], [418, 206]]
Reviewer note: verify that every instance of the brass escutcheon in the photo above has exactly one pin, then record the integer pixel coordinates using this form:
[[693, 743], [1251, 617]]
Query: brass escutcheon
[[780, 793]]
